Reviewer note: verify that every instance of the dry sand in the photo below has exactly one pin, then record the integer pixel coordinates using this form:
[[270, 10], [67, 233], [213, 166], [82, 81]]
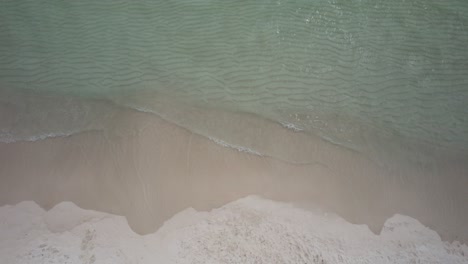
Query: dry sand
[[249, 230], [148, 169]]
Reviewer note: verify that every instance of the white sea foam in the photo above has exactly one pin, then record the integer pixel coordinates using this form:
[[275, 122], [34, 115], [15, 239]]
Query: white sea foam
[[11, 138], [291, 126], [236, 147]]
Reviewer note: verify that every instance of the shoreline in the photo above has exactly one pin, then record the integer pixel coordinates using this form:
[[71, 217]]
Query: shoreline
[[149, 169]]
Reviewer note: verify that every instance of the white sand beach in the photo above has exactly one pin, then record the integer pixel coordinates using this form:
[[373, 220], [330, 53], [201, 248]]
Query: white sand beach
[[249, 230]]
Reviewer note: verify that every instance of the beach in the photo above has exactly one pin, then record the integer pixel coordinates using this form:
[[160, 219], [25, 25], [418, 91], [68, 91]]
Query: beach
[[148, 169], [249, 230], [251, 131]]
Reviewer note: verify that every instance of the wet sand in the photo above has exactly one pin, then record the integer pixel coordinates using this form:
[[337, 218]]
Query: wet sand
[[148, 169]]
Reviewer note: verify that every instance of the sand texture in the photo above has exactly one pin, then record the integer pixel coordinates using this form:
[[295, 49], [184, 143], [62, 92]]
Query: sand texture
[[148, 169], [249, 230]]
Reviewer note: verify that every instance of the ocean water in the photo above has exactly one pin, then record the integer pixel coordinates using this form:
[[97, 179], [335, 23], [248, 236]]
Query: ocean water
[[349, 71], [385, 79]]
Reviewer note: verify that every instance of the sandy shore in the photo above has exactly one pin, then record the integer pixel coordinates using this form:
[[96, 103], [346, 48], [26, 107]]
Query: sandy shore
[[249, 230], [148, 169]]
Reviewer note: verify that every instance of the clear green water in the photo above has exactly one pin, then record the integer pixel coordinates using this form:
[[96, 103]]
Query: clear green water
[[346, 70]]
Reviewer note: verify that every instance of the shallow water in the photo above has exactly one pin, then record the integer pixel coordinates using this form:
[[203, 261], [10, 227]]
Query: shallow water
[[336, 68]]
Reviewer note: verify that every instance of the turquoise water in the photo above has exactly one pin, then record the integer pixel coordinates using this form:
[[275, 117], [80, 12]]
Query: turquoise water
[[357, 73]]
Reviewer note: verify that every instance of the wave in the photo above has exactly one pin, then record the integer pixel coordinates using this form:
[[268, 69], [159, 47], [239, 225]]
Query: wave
[[238, 148], [6, 137], [53, 116], [291, 126]]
